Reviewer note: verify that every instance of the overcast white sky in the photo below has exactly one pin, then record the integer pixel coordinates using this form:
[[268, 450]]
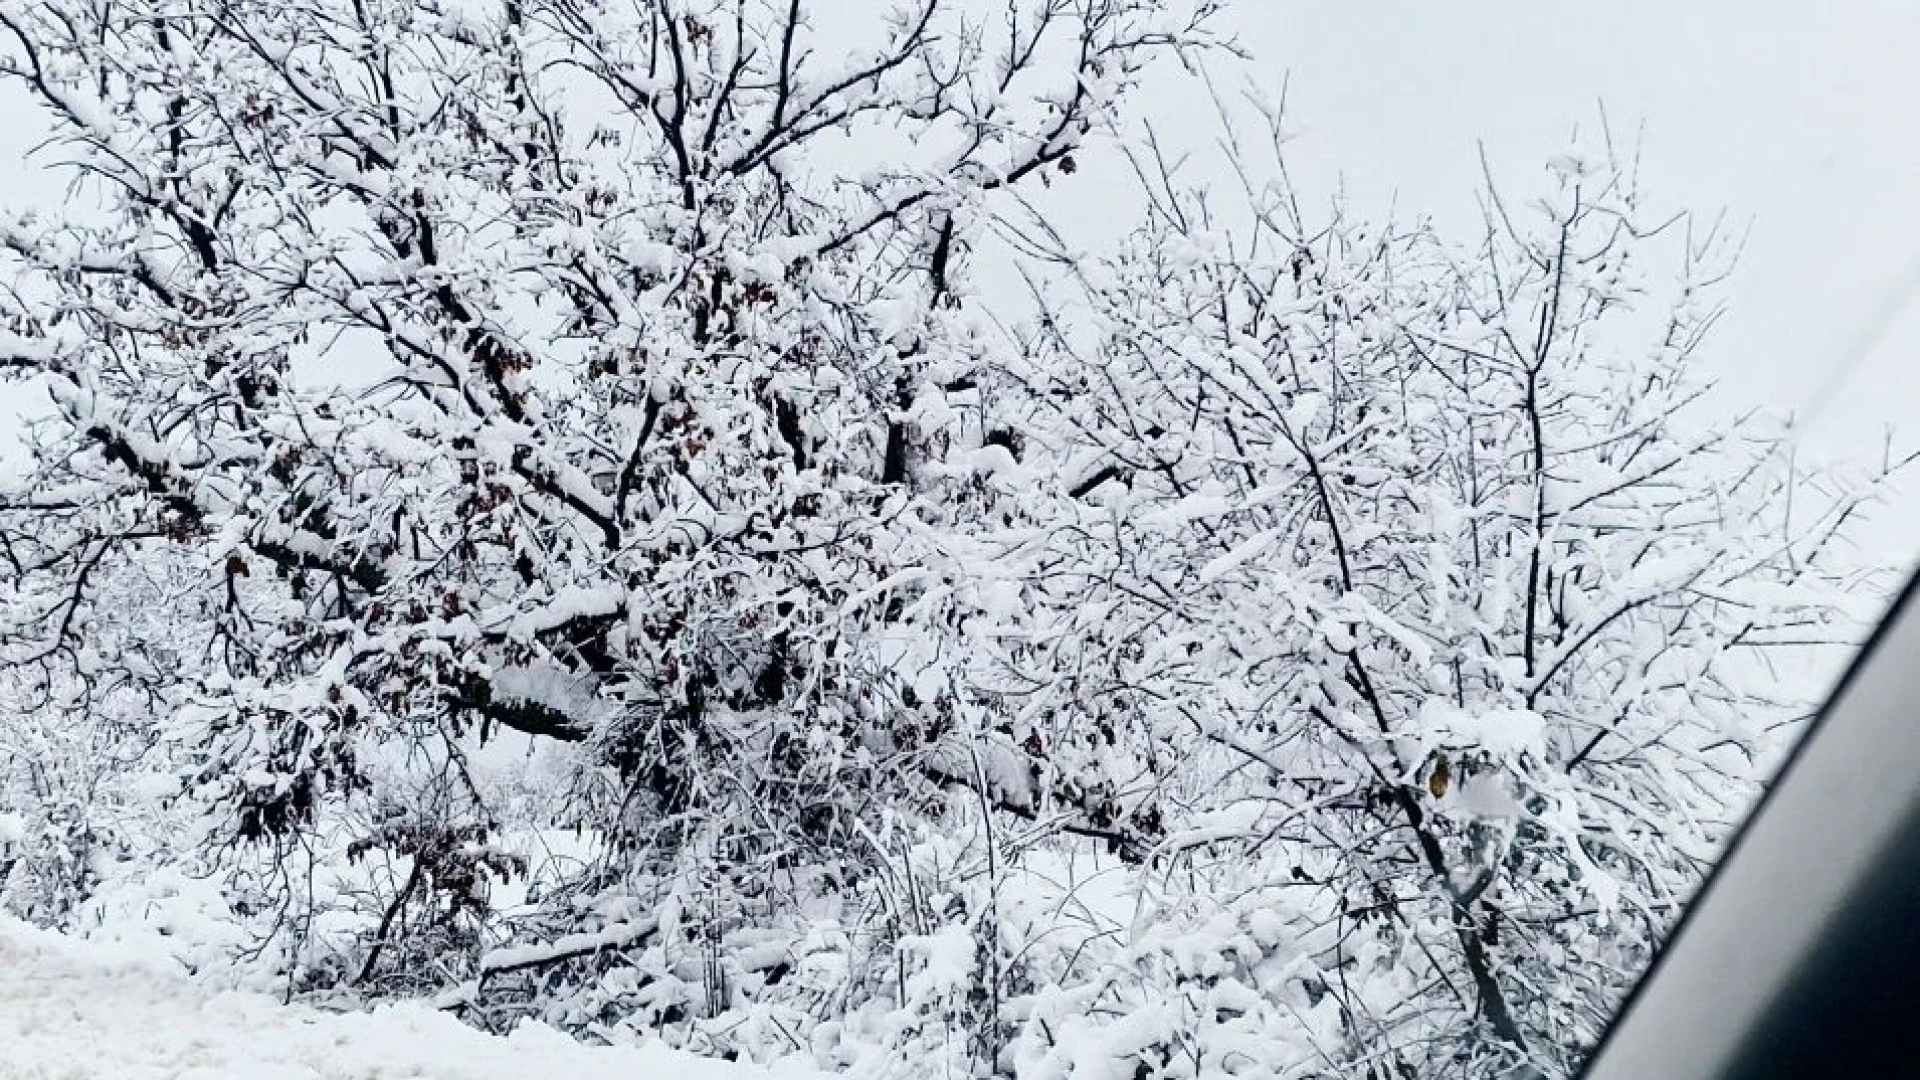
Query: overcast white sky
[[1803, 117]]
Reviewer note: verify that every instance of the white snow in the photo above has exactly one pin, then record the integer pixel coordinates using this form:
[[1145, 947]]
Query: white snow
[[73, 1010], [613, 937], [1502, 733], [1226, 564]]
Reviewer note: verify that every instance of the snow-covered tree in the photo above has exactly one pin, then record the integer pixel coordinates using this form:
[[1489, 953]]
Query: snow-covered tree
[[1399, 579], [541, 366]]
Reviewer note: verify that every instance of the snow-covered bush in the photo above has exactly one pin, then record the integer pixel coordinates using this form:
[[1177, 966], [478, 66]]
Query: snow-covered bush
[[1399, 579]]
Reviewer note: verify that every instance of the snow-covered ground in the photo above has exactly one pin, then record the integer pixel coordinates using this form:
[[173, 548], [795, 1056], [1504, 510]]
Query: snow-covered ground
[[73, 1010]]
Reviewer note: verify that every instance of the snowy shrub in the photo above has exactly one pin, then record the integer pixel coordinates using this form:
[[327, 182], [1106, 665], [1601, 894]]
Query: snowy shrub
[[1396, 581]]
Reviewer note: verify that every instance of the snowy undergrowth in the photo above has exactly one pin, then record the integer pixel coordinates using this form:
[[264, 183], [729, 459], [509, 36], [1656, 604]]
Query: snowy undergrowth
[[72, 1010]]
